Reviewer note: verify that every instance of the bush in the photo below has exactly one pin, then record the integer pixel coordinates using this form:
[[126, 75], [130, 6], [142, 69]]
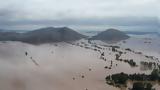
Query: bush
[[138, 86], [155, 74], [141, 86], [120, 78]]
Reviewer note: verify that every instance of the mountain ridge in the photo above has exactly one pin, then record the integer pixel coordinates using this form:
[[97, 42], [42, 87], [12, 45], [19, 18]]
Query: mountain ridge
[[43, 35], [111, 35]]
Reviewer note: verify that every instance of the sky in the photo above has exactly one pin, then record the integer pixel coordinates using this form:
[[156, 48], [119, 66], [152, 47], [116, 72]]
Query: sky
[[80, 14]]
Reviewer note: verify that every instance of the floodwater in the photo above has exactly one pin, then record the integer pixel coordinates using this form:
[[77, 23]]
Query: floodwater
[[59, 66]]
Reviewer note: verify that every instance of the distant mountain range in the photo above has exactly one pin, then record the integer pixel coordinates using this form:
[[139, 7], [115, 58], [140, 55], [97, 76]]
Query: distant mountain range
[[52, 34], [18, 31], [140, 33], [43, 35], [127, 32], [111, 35]]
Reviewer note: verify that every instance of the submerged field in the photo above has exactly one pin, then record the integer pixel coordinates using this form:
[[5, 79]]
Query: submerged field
[[80, 65]]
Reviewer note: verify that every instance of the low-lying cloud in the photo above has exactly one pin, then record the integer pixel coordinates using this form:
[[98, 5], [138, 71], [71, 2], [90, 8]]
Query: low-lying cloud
[[31, 14]]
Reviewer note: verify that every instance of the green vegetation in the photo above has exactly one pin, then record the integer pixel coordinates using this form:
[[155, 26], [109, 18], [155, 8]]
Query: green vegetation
[[121, 79], [130, 62], [148, 65], [142, 86]]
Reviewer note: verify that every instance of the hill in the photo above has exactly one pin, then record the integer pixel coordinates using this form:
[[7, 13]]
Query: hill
[[43, 35], [111, 35]]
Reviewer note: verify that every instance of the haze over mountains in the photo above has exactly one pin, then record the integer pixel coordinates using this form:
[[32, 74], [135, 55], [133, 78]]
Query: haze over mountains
[[59, 34], [111, 35], [43, 35], [51, 34]]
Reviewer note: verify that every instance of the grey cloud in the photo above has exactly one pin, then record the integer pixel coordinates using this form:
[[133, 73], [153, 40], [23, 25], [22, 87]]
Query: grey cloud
[[133, 23], [119, 21], [4, 13], [78, 13]]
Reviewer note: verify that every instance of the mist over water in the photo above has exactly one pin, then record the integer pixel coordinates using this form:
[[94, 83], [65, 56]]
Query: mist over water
[[57, 65]]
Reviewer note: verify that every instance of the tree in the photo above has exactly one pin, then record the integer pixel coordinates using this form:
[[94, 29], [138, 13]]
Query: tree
[[26, 53], [149, 86], [155, 74], [120, 78], [138, 86]]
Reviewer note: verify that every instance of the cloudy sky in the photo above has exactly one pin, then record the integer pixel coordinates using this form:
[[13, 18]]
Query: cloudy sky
[[80, 14]]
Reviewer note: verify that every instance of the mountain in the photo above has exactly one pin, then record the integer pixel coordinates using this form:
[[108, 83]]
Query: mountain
[[140, 32], [43, 35], [9, 36], [111, 35], [158, 34]]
